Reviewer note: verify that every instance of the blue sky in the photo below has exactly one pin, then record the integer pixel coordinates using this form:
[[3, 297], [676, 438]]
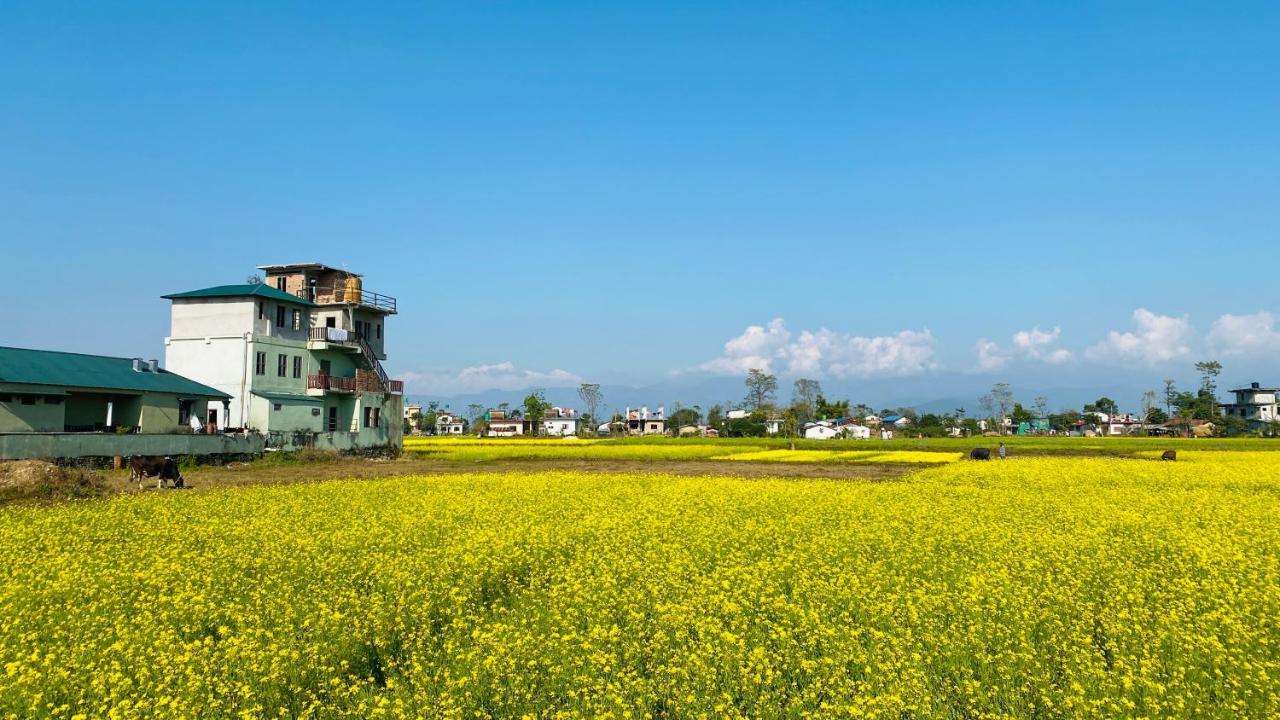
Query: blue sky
[[614, 191]]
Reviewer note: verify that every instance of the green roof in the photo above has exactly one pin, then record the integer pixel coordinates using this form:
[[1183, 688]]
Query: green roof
[[73, 370], [245, 290]]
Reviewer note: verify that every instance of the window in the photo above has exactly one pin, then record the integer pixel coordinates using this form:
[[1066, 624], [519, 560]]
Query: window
[[28, 399], [379, 331], [297, 319], [5, 399], [282, 365], [262, 310], [52, 400], [280, 310], [280, 283], [297, 366], [377, 417], [260, 364], [277, 406], [368, 415]]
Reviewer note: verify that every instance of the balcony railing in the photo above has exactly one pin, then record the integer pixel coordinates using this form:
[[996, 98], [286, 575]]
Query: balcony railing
[[395, 387], [339, 336], [331, 382], [341, 295]]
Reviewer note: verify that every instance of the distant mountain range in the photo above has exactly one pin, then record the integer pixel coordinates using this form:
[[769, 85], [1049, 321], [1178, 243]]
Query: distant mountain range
[[935, 393]]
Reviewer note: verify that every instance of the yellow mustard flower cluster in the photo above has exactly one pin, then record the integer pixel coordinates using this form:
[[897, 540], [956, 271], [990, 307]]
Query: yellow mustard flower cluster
[[849, 456], [1033, 588]]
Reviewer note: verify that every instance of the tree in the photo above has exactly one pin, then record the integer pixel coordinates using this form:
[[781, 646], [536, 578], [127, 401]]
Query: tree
[[1106, 405], [760, 388], [474, 412], [1002, 399], [804, 397], [592, 399], [1209, 371], [988, 404], [1170, 394], [1020, 415], [1157, 416], [1148, 405], [715, 416], [682, 417], [535, 408], [1041, 405]]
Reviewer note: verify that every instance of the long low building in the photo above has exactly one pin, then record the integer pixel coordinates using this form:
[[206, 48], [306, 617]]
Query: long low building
[[45, 391]]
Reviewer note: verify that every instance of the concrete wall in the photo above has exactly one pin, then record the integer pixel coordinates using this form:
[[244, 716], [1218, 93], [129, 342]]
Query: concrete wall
[[43, 416], [76, 445], [212, 318]]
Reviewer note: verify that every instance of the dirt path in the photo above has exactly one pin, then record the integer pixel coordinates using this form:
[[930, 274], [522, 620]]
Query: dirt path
[[261, 473]]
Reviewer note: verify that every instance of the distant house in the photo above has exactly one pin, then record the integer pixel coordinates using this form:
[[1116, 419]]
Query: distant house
[[449, 424], [644, 422], [897, 421], [560, 422], [43, 391], [411, 409], [1256, 405], [499, 425], [839, 428]]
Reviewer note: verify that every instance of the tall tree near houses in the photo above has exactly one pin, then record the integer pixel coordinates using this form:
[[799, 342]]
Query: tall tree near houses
[[535, 409], [1209, 371], [1170, 394], [804, 396], [592, 399], [1041, 404], [761, 387], [1149, 401], [1002, 398]]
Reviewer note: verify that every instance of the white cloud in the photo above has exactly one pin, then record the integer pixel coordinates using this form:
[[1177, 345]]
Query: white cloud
[[1156, 339], [824, 352], [990, 356], [497, 376], [1245, 334], [1033, 344]]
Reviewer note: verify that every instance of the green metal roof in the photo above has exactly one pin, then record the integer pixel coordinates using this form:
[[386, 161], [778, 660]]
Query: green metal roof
[[245, 290], [73, 370]]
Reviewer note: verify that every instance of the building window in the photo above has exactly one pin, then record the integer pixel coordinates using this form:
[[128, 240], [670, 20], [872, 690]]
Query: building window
[[277, 406], [28, 399], [377, 417], [297, 319], [282, 365], [262, 310], [297, 366], [368, 415], [280, 283], [379, 331], [52, 400], [5, 399], [280, 311], [260, 364]]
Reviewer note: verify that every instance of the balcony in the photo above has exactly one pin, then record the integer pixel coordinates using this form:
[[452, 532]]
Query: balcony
[[395, 387], [321, 384], [342, 295], [332, 338]]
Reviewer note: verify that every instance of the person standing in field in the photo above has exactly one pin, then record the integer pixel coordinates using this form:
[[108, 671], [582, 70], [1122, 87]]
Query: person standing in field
[[1003, 452]]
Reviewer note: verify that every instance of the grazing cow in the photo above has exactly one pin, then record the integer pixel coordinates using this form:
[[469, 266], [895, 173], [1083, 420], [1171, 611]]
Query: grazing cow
[[162, 468], [1170, 455], [980, 454]]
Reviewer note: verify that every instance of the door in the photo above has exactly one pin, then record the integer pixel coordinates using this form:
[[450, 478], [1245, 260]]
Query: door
[[332, 424], [324, 367], [213, 418], [331, 322]]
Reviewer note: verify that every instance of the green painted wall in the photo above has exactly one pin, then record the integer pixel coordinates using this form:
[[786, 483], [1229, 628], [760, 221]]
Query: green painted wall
[[41, 417]]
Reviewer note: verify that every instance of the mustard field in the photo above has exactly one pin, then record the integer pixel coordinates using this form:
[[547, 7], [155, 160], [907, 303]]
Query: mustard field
[[1031, 588]]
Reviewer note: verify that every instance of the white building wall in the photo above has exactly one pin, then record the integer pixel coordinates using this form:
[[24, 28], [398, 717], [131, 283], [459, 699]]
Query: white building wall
[[218, 363]]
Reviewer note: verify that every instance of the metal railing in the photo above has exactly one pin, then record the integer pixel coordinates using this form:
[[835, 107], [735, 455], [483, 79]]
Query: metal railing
[[331, 382], [396, 387], [341, 295], [340, 336]]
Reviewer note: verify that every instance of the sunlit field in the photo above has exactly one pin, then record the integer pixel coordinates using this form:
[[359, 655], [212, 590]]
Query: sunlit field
[[1031, 588]]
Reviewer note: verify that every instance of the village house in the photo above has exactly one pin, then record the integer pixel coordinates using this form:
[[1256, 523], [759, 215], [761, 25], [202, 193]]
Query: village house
[[448, 423], [838, 428], [498, 424], [1256, 405], [300, 354], [560, 422], [412, 409], [644, 422]]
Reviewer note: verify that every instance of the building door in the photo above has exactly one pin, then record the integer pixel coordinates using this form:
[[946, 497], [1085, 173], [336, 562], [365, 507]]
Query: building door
[[325, 367], [332, 424], [331, 322], [213, 418]]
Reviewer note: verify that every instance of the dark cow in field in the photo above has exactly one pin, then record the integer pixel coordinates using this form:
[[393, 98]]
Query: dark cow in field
[[1170, 455], [161, 468], [980, 454]]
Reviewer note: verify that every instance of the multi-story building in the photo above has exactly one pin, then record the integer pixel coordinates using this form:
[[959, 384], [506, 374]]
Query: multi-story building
[[1255, 404], [300, 354], [560, 422], [644, 422]]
